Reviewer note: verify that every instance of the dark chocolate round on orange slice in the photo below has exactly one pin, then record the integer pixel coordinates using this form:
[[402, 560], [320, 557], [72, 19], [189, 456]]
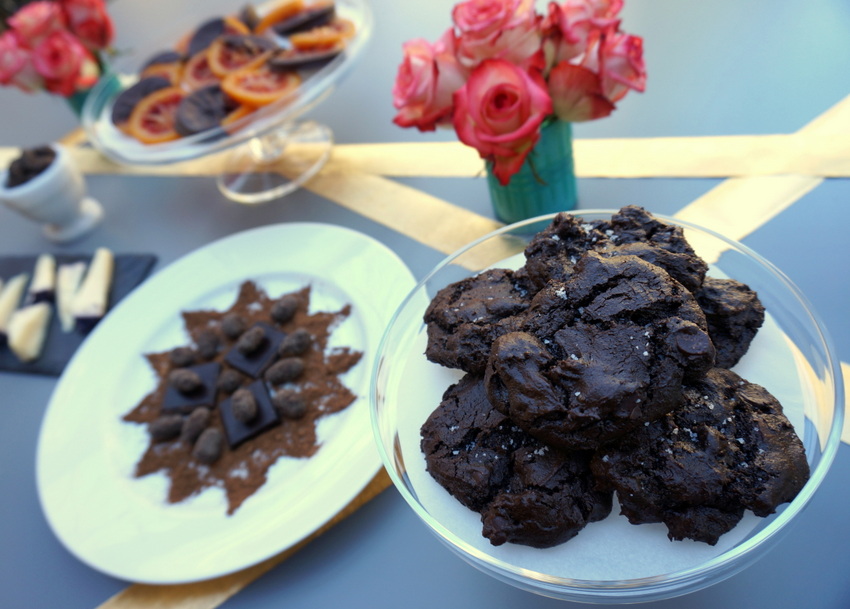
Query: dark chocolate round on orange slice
[[205, 34], [124, 103], [293, 59], [232, 52], [211, 29], [162, 57], [167, 64], [201, 110], [315, 16], [248, 44]]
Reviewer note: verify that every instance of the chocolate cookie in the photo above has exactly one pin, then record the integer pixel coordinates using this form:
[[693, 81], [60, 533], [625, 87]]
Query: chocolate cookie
[[634, 231], [734, 314], [549, 499], [526, 492], [599, 354], [729, 448], [465, 317], [467, 444], [554, 252]]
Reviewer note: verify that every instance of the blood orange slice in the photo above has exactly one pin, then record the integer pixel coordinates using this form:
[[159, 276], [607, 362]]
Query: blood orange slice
[[152, 120], [197, 73], [172, 71], [230, 53], [327, 36], [283, 10], [259, 86]]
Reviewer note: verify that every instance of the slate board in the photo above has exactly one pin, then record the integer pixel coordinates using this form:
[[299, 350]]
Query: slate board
[[130, 270]]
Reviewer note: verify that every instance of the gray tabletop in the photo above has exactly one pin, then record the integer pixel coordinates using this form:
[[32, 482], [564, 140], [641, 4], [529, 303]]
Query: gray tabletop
[[719, 68]]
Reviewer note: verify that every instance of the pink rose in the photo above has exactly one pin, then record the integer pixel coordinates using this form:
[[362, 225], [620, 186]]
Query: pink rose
[[499, 111], [64, 62], [483, 18], [517, 45], [568, 26], [427, 78], [36, 21], [89, 21], [621, 65], [496, 29], [16, 66], [577, 93]]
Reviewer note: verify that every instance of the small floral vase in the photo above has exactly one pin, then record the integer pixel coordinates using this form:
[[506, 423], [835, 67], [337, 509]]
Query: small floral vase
[[546, 182]]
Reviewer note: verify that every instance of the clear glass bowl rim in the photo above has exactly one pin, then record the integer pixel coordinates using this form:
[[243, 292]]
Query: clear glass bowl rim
[[638, 589]]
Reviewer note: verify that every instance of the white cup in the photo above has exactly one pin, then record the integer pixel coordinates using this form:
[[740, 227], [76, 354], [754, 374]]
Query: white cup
[[56, 198]]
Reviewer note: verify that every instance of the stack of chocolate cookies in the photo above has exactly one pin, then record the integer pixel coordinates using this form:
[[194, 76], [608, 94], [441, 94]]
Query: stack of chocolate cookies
[[603, 365]]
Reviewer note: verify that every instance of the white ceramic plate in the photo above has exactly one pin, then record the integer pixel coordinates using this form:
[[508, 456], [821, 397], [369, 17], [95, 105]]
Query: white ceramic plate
[[86, 455]]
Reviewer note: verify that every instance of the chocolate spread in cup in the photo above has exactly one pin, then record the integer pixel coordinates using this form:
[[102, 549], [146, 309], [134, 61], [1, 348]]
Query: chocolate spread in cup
[[30, 163]]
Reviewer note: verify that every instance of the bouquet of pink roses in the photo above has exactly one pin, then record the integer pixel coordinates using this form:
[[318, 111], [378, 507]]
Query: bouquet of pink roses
[[55, 46], [503, 69]]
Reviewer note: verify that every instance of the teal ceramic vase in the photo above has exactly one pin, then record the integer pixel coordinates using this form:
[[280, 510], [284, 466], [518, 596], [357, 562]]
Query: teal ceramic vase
[[546, 182], [78, 99]]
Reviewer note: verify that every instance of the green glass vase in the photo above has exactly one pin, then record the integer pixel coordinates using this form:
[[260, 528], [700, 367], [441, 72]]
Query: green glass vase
[[546, 182]]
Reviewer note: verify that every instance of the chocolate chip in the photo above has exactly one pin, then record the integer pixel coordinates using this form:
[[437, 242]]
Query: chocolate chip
[[251, 341], [165, 427], [229, 381], [194, 424], [233, 325], [182, 356], [289, 404], [185, 381], [284, 308], [285, 370], [295, 343], [208, 343], [691, 342], [244, 405], [209, 446], [695, 348]]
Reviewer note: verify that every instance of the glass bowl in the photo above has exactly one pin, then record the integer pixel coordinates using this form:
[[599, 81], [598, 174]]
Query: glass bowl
[[610, 561], [279, 151]]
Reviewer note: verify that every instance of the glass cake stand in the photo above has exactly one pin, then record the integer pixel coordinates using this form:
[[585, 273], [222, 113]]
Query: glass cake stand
[[610, 561], [274, 149]]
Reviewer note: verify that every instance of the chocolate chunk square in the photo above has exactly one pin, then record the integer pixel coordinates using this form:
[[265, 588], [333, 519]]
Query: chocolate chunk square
[[255, 364], [175, 401], [267, 417]]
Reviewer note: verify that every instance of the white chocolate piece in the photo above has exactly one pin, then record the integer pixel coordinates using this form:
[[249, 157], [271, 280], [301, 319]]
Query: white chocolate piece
[[92, 297], [43, 285], [68, 279], [28, 330], [10, 297]]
